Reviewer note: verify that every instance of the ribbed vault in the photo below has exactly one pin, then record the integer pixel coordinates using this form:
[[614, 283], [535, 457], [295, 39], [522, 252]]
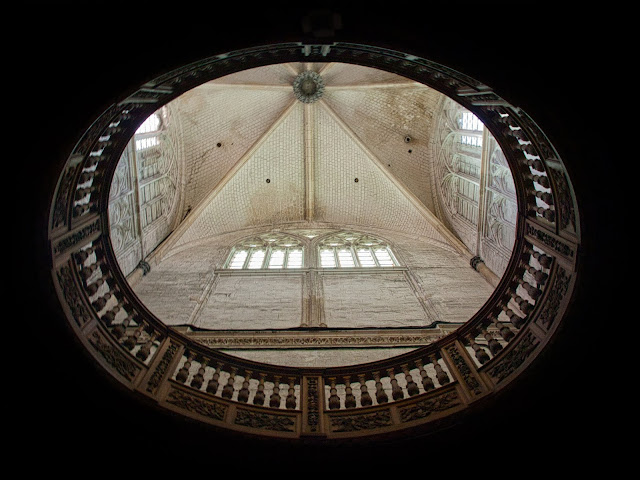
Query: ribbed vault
[[256, 156], [359, 150]]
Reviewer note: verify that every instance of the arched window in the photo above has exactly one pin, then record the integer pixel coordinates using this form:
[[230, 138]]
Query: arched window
[[348, 250], [147, 134], [472, 129], [267, 251]]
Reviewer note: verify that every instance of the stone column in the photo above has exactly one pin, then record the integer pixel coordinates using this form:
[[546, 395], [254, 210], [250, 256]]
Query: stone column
[[478, 265]]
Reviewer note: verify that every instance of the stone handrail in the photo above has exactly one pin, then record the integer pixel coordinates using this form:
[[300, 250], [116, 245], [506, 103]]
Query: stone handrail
[[421, 388]]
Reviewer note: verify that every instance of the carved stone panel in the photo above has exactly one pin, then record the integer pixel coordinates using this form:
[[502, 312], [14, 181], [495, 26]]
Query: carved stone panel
[[265, 421], [196, 404], [360, 421]]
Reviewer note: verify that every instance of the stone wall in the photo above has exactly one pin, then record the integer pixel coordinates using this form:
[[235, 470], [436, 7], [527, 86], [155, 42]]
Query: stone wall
[[434, 284]]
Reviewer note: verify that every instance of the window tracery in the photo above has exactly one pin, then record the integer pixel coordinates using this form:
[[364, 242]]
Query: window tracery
[[267, 251], [348, 250], [337, 250]]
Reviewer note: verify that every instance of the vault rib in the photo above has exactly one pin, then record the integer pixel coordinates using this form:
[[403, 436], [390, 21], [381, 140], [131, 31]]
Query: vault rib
[[362, 86], [309, 163], [454, 241], [249, 86], [173, 238]]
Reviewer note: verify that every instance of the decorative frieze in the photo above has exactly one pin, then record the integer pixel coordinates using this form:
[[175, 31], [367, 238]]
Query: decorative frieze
[[557, 291], [193, 404], [463, 368], [313, 404], [424, 408], [265, 421], [317, 340], [76, 237], [359, 422], [514, 358], [61, 205], [79, 310], [563, 200], [114, 356], [159, 372], [548, 239]]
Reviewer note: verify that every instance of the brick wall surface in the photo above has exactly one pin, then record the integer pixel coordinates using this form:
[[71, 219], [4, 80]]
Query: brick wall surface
[[370, 301], [253, 302]]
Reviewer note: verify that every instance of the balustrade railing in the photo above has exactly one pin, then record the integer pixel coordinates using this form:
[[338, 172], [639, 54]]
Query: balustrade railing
[[428, 383]]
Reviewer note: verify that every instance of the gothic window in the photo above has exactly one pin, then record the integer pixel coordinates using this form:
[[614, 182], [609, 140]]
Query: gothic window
[[349, 250], [470, 125], [147, 133], [267, 251]]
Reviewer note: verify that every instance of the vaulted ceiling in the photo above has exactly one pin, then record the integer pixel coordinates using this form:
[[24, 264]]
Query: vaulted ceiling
[[255, 155]]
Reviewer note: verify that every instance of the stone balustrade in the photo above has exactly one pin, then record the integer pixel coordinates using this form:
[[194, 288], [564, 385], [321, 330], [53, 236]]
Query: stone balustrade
[[423, 387]]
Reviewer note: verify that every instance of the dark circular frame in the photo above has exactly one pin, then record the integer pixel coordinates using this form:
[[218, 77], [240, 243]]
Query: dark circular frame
[[80, 246]]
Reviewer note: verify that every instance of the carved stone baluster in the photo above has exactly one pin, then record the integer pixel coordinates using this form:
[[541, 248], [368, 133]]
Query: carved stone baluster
[[412, 387], [99, 303], [542, 180], [365, 398], [145, 350], [515, 320], [524, 306], [381, 395], [334, 400], [396, 390], [120, 329], [213, 384], [259, 397], [198, 378], [505, 332], [132, 340], [480, 353], [109, 316], [82, 209], [532, 291], [441, 375], [350, 399], [183, 373], [227, 390], [87, 272], [547, 213], [93, 288], [544, 260], [275, 399], [427, 382], [494, 345], [82, 255], [290, 403], [539, 276], [243, 393], [545, 197], [80, 193], [536, 164]]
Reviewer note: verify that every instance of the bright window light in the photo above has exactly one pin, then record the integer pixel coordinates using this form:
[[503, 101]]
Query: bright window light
[[383, 257], [470, 122], [294, 259], [366, 258], [256, 259], [151, 124], [237, 261], [143, 143], [276, 260], [327, 260], [345, 259]]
